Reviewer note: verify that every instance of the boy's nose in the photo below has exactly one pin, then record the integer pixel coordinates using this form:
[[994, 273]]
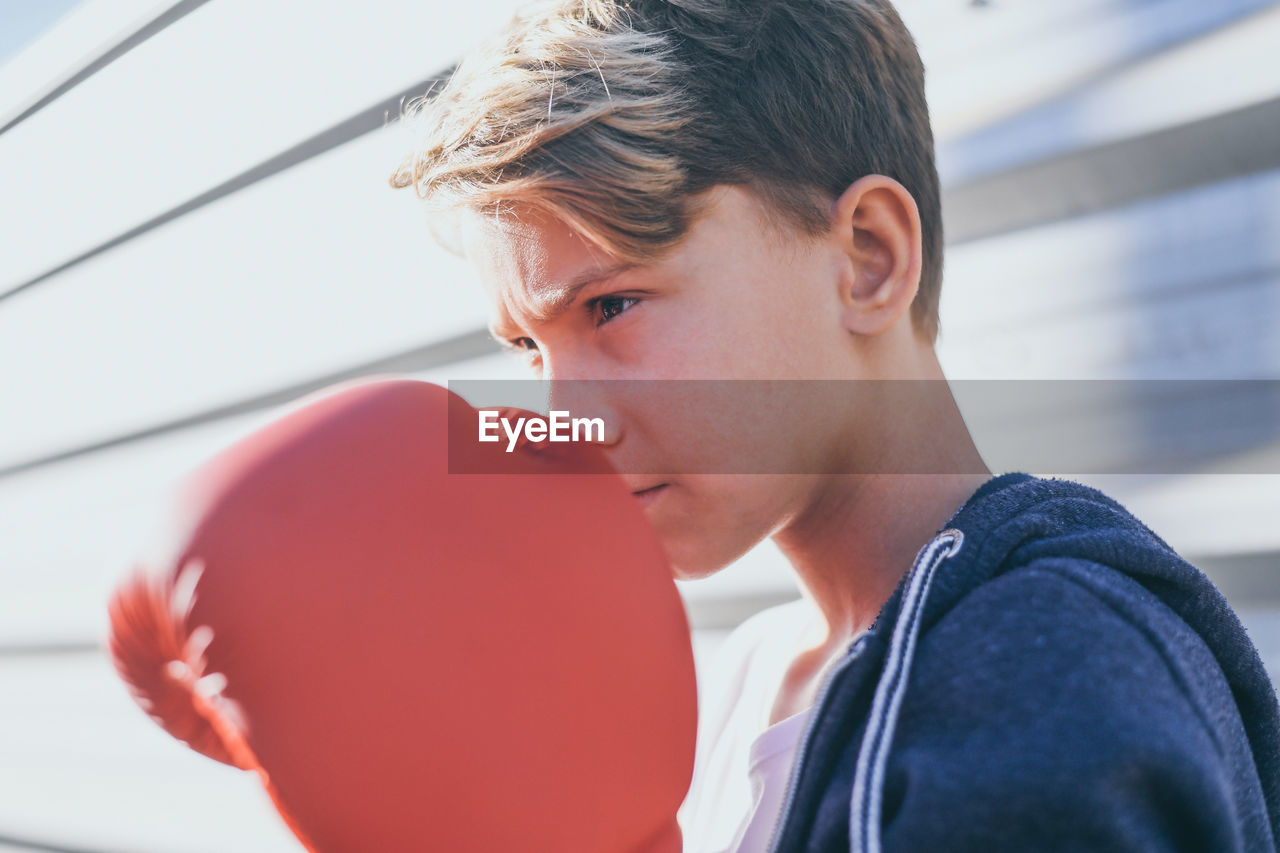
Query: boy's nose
[[589, 398]]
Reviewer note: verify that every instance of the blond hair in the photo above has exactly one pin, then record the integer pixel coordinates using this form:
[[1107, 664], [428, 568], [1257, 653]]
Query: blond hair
[[616, 115]]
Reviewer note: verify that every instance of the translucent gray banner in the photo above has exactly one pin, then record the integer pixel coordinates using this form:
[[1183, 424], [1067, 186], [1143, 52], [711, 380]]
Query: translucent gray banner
[[1067, 427]]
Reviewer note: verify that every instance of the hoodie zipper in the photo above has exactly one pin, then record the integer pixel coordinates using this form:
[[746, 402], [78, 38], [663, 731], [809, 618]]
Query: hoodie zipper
[[855, 651]]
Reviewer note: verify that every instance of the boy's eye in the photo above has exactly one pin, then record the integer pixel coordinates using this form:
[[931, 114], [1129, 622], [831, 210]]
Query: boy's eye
[[525, 349], [607, 307]]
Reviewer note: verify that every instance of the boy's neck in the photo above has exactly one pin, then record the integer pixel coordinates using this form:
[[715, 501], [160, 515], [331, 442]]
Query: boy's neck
[[867, 541], [859, 534]]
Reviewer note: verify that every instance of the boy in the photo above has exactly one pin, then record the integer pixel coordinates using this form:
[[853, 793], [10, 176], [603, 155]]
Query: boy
[[710, 189]]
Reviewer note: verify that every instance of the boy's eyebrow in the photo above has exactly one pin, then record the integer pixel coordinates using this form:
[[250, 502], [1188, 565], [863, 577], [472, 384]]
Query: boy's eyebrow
[[552, 301]]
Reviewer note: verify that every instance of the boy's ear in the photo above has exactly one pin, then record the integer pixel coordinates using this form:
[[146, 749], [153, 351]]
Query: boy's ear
[[877, 226]]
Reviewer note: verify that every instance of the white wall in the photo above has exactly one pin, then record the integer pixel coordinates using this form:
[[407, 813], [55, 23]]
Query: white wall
[[1084, 244]]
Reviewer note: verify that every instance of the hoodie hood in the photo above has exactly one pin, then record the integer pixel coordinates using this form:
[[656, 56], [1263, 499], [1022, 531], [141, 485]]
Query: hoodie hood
[[1015, 518]]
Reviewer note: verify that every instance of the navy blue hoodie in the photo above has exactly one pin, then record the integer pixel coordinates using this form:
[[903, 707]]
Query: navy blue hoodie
[[1049, 675]]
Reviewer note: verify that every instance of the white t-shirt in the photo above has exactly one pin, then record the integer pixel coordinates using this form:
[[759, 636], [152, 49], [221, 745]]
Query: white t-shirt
[[743, 765]]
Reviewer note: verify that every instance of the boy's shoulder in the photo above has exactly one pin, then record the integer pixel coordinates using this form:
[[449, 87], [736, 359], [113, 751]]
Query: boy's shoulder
[[1061, 654], [1085, 681], [1059, 587], [1049, 675], [1063, 703]]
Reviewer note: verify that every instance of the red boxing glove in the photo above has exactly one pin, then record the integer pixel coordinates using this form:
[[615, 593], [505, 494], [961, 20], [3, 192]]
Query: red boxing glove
[[418, 660]]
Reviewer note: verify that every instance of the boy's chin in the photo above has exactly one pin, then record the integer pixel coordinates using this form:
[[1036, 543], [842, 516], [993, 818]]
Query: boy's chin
[[698, 562], [698, 573], [700, 538]]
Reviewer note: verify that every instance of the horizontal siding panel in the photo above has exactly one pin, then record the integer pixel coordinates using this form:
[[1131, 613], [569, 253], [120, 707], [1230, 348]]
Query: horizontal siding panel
[[223, 89], [82, 33], [1135, 98], [1187, 285], [82, 766], [988, 63], [1224, 332], [315, 270]]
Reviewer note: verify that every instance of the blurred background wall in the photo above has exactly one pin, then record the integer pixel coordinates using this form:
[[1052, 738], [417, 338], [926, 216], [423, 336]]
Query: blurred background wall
[[196, 230]]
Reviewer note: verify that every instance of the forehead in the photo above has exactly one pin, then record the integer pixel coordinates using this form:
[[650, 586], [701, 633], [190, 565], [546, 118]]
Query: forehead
[[527, 251], [529, 260]]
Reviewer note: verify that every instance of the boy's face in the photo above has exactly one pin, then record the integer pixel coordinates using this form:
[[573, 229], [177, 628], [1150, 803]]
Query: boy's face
[[734, 300]]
